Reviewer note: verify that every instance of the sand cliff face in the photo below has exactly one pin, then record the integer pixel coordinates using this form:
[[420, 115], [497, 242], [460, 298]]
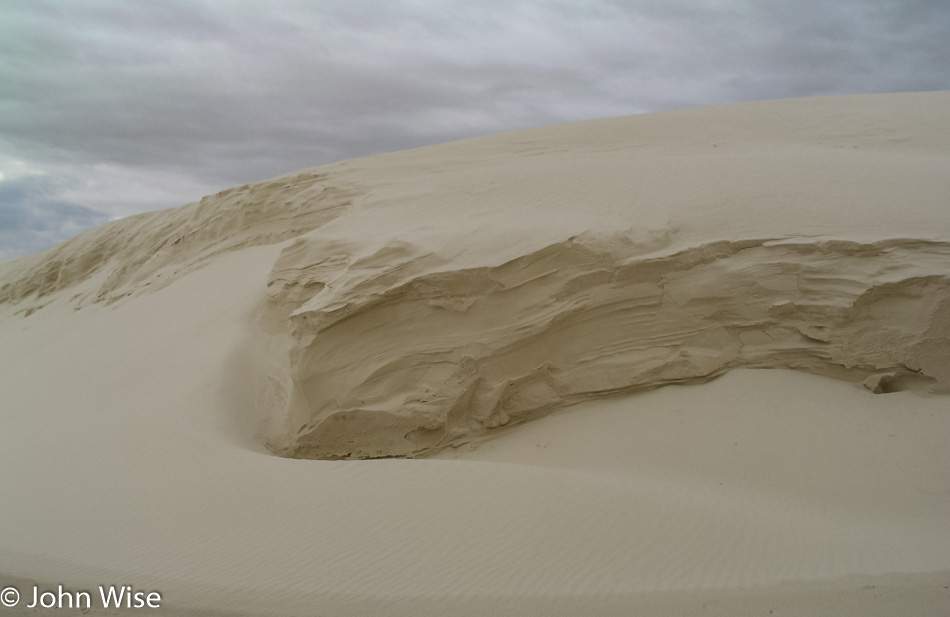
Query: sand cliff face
[[401, 365], [429, 297]]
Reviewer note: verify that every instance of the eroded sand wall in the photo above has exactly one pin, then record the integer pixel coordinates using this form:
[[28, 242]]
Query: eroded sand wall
[[403, 365]]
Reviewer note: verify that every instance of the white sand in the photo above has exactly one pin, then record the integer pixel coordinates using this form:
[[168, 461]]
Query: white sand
[[132, 394]]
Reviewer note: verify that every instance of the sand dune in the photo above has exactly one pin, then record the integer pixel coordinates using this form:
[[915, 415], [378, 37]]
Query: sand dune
[[436, 300]]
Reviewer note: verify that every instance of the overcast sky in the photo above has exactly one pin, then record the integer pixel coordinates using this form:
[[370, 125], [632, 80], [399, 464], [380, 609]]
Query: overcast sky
[[113, 107]]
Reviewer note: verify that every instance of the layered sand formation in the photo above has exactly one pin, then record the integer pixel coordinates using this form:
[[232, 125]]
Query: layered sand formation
[[409, 364], [429, 297]]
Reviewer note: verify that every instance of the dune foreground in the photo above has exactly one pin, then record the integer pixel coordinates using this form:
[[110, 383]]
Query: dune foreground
[[430, 303]]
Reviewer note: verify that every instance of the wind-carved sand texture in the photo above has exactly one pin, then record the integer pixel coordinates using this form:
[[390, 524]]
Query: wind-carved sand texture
[[426, 298], [401, 364]]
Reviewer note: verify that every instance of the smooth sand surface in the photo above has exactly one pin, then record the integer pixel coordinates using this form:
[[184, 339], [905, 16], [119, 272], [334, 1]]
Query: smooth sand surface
[[138, 377]]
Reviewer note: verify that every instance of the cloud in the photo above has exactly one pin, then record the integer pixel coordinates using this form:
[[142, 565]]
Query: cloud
[[201, 95], [32, 219]]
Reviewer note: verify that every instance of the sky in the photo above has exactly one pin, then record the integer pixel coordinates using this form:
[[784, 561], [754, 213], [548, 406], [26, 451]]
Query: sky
[[113, 107]]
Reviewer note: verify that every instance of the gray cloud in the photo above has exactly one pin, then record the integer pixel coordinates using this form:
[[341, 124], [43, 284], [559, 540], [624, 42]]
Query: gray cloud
[[32, 218], [145, 103]]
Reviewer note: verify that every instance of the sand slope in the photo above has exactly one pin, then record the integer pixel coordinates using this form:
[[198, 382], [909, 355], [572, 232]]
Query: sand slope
[[624, 254], [138, 362]]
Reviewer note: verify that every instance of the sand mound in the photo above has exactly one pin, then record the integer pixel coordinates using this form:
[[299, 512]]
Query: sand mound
[[431, 296], [397, 304]]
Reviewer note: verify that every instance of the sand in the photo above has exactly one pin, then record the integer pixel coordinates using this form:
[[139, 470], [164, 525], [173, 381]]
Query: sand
[[510, 309]]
